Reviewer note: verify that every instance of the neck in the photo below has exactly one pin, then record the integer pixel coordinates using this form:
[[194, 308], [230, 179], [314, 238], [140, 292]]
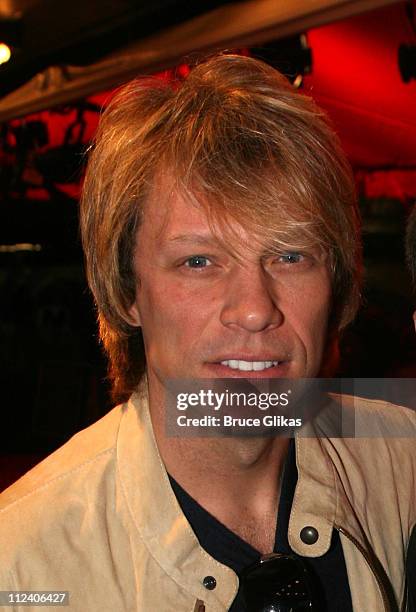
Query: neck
[[237, 480]]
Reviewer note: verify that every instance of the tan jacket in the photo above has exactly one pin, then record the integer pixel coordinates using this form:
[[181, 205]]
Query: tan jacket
[[98, 518]]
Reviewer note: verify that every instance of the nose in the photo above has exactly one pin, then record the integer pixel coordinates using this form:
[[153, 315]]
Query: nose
[[250, 303]]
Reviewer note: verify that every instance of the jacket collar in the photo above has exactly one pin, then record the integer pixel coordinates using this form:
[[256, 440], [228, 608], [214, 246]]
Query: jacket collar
[[156, 513], [315, 499], [321, 499]]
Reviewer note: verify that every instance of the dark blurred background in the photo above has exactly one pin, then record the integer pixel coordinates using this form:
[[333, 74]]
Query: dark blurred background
[[65, 61]]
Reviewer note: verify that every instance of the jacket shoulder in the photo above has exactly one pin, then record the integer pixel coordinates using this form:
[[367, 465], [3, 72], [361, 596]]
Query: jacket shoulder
[[84, 448], [347, 416], [54, 502], [377, 445]]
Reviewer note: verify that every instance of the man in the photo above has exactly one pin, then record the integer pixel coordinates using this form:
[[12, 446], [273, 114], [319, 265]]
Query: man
[[220, 231]]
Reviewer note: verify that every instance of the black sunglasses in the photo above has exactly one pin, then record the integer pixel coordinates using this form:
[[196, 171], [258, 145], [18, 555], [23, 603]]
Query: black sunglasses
[[280, 583]]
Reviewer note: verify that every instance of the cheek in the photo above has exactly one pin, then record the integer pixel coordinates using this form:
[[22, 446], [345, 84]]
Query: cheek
[[318, 316], [308, 308], [171, 310]]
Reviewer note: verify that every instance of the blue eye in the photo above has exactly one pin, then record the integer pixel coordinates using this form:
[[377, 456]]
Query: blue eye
[[197, 261], [291, 258]]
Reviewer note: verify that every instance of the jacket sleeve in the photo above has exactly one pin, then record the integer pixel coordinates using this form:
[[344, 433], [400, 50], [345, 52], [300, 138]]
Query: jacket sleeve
[[411, 572]]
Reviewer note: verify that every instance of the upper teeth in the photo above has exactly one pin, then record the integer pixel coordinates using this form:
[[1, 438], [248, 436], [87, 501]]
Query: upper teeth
[[248, 366]]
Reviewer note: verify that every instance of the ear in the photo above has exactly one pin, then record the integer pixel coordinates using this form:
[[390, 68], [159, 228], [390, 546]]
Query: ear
[[414, 319], [134, 315]]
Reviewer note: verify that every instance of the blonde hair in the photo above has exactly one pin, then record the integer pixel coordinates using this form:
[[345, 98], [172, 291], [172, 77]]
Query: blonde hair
[[236, 135]]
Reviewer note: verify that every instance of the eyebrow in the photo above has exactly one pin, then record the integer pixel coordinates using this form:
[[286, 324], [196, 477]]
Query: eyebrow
[[194, 238]]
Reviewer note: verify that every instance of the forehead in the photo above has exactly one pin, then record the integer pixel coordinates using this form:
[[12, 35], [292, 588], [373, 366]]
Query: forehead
[[259, 225], [170, 217]]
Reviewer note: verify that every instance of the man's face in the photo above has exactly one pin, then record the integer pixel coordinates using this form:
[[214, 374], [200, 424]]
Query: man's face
[[207, 313]]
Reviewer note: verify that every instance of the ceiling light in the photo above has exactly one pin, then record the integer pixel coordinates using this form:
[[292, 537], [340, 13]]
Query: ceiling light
[[5, 53]]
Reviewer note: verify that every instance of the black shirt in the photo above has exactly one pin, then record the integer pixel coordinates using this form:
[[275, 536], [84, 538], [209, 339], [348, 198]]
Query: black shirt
[[229, 549]]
